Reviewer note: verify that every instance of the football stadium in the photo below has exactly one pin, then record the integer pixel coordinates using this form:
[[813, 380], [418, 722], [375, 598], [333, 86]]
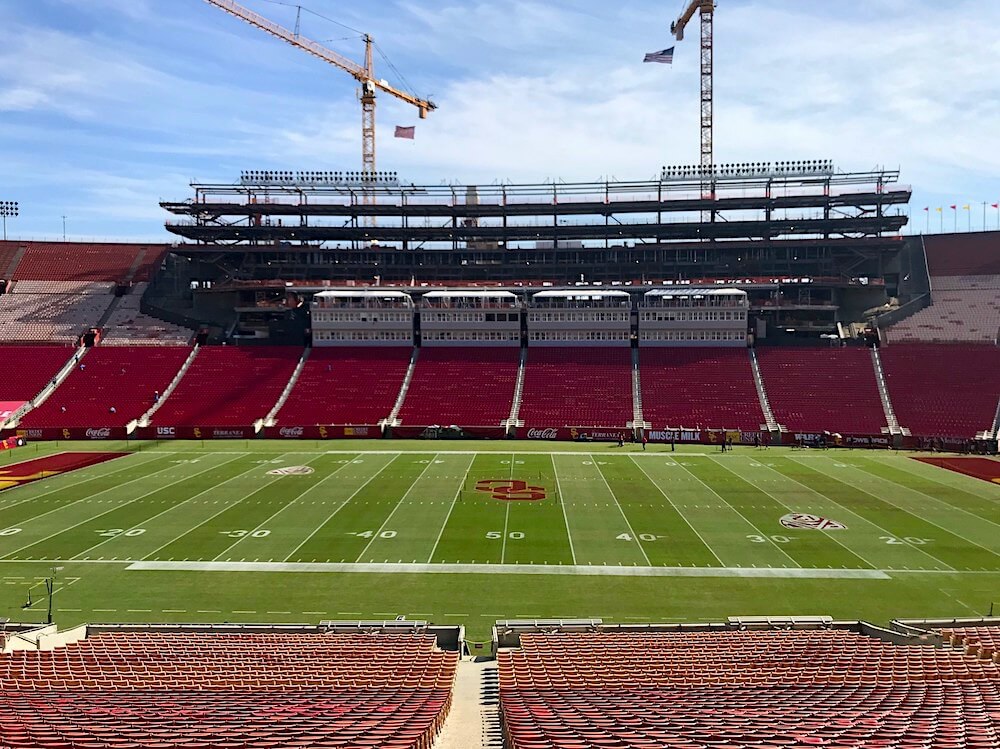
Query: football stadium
[[705, 459]]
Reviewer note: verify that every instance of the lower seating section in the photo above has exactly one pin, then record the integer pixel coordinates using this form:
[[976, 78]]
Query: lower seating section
[[346, 386], [28, 369], [831, 688], [831, 389], [127, 326], [60, 316], [576, 386], [77, 261], [983, 640], [965, 309], [208, 691], [943, 390], [229, 386], [464, 386], [119, 378], [699, 387]]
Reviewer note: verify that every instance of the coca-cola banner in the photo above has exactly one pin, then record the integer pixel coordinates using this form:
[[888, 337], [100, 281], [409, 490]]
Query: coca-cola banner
[[597, 434], [73, 433], [324, 432]]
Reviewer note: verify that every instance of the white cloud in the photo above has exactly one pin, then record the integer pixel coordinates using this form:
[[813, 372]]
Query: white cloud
[[527, 90]]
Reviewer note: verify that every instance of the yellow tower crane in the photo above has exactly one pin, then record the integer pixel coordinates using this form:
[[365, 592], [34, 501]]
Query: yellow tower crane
[[364, 74], [707, 10]]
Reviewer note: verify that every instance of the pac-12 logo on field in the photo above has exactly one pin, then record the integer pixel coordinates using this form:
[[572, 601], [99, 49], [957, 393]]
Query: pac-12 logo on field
[[292, 471], [507, 490], [811, 522]]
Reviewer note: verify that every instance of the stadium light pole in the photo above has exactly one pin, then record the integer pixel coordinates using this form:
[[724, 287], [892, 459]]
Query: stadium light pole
[[8, 209]]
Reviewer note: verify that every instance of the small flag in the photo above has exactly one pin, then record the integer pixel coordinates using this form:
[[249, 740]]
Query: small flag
[[996, 205], [966, 207], [938, 209], [927, 208], [954, 207], [664, 55], [405, 132]]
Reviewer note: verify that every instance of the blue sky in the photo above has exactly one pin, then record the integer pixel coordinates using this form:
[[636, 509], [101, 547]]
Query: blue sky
[[107, 106]]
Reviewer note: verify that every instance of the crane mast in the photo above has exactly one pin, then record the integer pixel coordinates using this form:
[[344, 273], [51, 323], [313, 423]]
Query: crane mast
[[364, 74], [706, 9]]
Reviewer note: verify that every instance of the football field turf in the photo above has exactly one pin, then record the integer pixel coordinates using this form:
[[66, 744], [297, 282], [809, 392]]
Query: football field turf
[[470, 532]]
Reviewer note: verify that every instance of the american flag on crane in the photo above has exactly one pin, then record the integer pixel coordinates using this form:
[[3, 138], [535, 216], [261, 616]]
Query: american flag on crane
[[405, 132], [664, 56]]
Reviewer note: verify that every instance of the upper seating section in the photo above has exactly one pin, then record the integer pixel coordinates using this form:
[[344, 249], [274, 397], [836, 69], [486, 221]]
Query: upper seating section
[[81, 261], [708, 388], [823, 389], [229, 386], [826, 688], [56, 312], [964, 309], [465, 386], [943, 390], [576, 386], [28, 369], [119, 378], [127, 326], [209, 690], [972, 254], [346, 385]]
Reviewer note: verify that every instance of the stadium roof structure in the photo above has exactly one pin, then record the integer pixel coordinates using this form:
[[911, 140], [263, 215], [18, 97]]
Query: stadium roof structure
[[834, 225]]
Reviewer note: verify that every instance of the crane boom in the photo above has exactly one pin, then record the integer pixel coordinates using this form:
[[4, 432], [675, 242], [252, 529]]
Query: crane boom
[[363, 74], [706, 8]]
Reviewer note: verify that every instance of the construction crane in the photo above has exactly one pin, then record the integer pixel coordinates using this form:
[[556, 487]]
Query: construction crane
[[364, 74], [707, 10]]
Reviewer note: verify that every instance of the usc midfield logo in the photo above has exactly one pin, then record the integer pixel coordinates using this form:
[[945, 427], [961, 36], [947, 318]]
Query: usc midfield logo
[[511, 490]]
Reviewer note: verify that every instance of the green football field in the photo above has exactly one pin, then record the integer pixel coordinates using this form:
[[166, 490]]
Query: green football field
[[467, 533]]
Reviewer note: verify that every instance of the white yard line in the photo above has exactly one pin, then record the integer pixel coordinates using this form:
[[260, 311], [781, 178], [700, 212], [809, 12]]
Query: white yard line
[[84, 479], [948, 505], [593, 459], [562, 503], [89, 497], [908, 512], [448, 516], [666, 497], [215, 515], [173, 507], [832, 536], [398, 505], [355, 493], [109, 510], [863, 519], [281, 509], [506, 517], [597, 570], [745, 518]]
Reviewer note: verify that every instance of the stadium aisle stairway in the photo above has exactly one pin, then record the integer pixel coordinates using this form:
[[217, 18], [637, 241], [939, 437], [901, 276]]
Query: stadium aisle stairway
[[822, 389], [466, 386], [943, 390], [27, 369], [818, 688], [576, 386], [229, 386], [208, 691], [699, 387], [346, 386], [124, 378]]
